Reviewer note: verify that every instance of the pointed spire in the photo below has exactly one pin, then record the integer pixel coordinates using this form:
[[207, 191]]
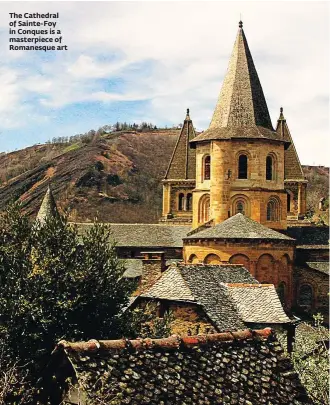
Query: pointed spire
[[183, 160], [48, 207], [241, 102], [292, 166], [281, 117]]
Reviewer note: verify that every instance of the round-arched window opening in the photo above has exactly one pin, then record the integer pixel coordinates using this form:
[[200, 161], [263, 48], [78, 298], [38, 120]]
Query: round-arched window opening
[[240, 207], [305, 296], [207, 167], [189, 202], [242, 167], [269, 168], [273, 211]]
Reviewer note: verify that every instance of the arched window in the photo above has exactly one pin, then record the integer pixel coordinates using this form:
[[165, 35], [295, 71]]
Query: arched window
[[189, 202], [242, 167], [281, 291], [204, 209], [207, 167], [273, 210], [269, 168], [193, 259], [240, 207], [181, 202], [305, 296]]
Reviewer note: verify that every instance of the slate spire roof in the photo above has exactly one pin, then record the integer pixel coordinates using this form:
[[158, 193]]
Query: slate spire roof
[[241, 110], [292, 166], [239, 227], [183, 161], [48, 207]]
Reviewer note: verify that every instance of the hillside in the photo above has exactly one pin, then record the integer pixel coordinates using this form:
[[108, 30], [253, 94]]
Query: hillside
[[116, 177]]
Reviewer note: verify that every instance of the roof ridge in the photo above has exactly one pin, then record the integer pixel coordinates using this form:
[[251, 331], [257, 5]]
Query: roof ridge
[[249, 285], [172, 342]]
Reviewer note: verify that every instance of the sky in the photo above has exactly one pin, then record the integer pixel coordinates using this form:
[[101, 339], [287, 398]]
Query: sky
[[150, 61]]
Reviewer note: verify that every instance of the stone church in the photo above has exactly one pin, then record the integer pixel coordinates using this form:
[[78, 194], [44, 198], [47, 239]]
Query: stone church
[[233, 248]]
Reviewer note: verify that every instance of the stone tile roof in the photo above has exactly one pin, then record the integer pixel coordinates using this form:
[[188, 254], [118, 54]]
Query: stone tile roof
[[133, 267], [183, 161], [145, 235], [239, 227], [323, 267], [256, 302], [292, 166], [228, 294], [245, 367], [309, 236], [241, 110], [48, 208]]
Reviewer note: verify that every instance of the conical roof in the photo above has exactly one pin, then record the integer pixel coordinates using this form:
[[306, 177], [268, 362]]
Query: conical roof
[[238, 227], [48, 207], [292, 166], [241, 110], [182, 165]]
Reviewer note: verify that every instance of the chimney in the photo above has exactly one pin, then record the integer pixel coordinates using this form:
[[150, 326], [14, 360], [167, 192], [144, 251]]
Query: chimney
[[153, 264]]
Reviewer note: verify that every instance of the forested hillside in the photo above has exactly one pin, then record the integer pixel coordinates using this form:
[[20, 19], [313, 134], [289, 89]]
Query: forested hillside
[[113, 176]]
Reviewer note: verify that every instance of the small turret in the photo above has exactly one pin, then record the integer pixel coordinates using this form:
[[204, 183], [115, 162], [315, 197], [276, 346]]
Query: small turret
[[48, 207]]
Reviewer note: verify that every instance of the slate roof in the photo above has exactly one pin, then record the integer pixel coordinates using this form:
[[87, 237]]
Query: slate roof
[[183, 161], [228, 294], [48, 208], [133, 267], [292, 166], [241, 110], [256, 302], [145, 235], [239, 227], [323, 267], [309, 236], [245, 367]]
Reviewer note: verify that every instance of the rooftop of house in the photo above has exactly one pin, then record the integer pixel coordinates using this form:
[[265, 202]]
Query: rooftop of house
[[239, 227], [236, 367], [228, 294], [145, 235], [322, 267]]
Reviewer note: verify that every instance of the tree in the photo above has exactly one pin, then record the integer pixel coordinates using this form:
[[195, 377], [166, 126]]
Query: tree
[[311, 360], [55, 284]]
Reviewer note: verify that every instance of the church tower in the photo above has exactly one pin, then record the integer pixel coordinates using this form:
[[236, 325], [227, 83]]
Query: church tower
[[179, 181], [240, 158], [295, 182]]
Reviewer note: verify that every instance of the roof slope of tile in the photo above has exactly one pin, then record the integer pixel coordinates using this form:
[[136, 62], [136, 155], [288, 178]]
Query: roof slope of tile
[[204, 285], [240, 367], [323, 267], [48, 208], [292, 166], [170, 286], [145, 235], [239, 227], [241, 110], [183, 161], [133, 267], [256, 302]]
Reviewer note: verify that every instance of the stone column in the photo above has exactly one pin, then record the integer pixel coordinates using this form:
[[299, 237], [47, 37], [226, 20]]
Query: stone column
[[301, 199], [220, 180], [166, 199]]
